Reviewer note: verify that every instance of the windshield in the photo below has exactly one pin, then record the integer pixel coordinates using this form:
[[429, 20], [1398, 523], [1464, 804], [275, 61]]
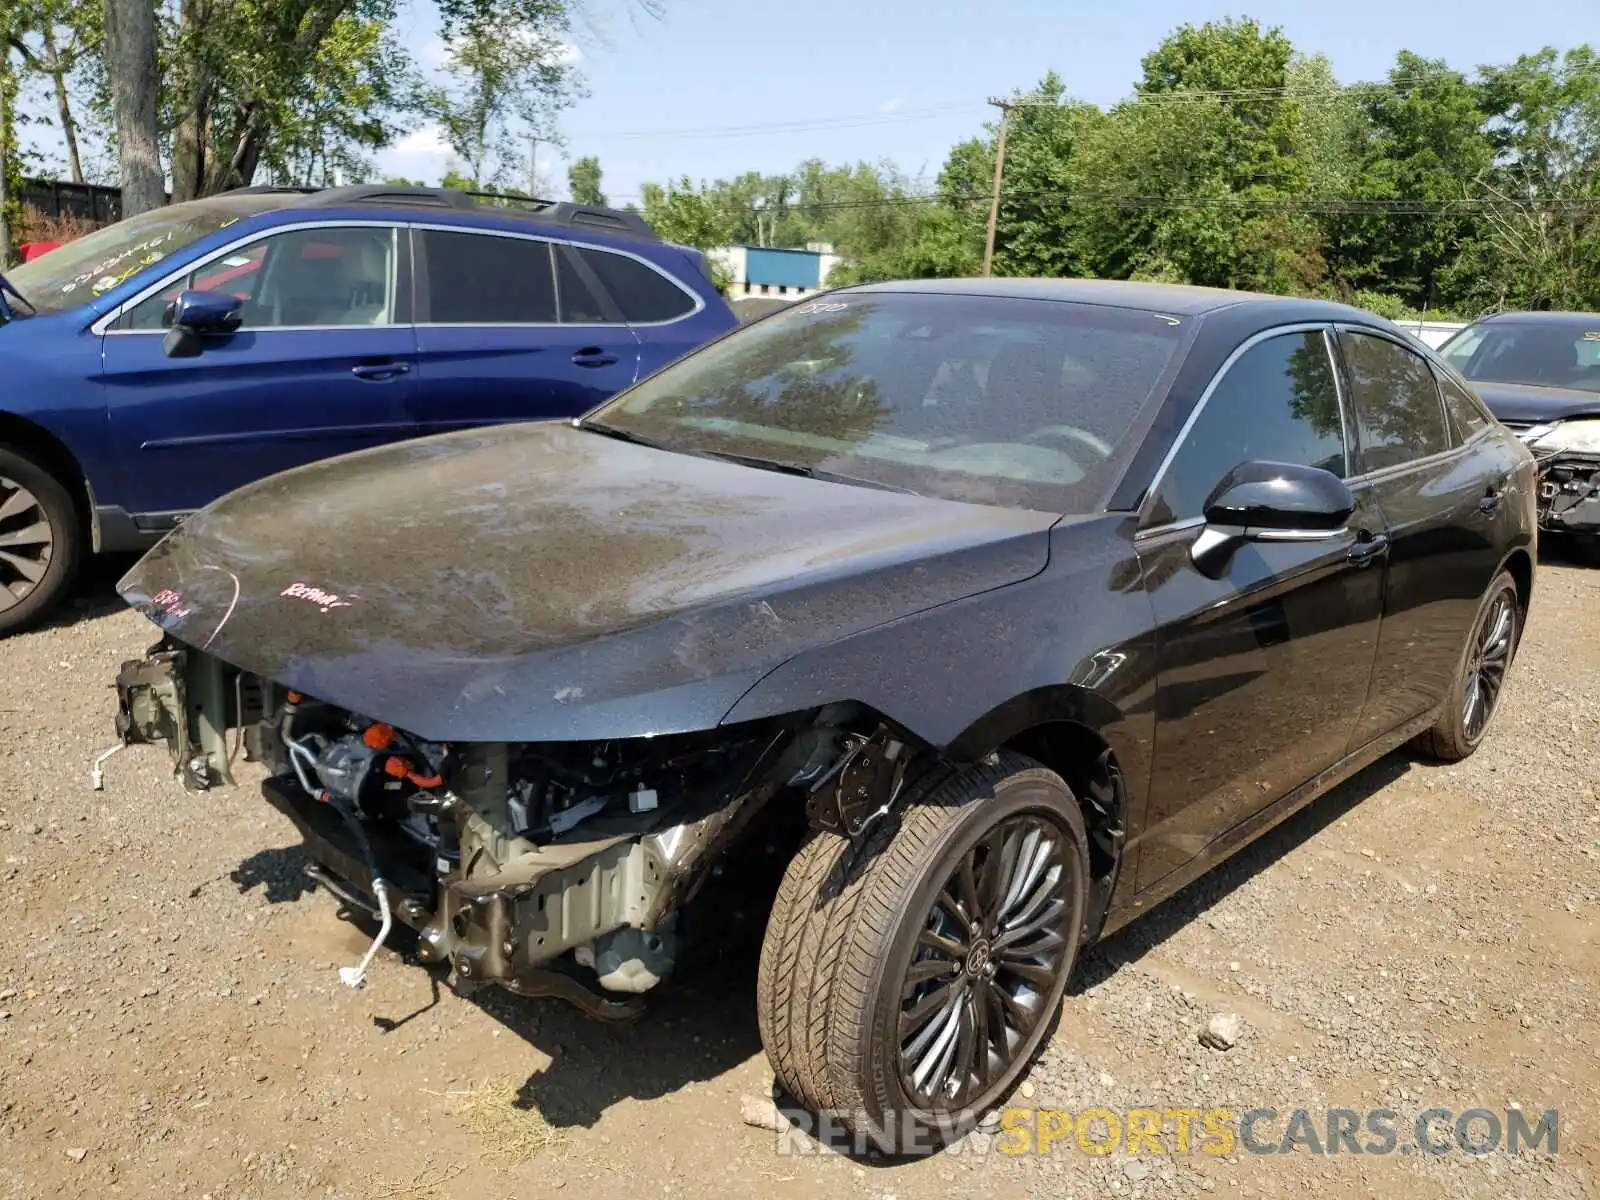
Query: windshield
[[991, 400], [79, 271], [1553, 354]]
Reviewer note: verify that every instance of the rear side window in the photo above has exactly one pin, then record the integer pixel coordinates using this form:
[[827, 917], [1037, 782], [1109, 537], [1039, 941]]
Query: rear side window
[[1277, 403], [1396, 400], [1466, 414], [643, 294], [481, 279]]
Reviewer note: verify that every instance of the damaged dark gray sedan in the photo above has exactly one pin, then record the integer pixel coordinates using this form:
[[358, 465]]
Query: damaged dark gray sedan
[[1026, 602]]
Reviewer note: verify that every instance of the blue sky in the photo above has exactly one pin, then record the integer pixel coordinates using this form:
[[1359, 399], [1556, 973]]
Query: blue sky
[[846, 80], [908, 78]]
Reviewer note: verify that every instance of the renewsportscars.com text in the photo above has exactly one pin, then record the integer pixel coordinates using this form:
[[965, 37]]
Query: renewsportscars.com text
[[1183, 1130]]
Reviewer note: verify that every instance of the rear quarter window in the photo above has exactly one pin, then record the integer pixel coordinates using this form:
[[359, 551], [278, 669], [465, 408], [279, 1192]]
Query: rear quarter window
[[1467, 415], [643, 294]]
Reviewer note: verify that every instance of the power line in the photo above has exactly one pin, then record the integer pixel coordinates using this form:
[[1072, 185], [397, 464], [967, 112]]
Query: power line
[[843, 121], [1397, 83], [1310, 205]]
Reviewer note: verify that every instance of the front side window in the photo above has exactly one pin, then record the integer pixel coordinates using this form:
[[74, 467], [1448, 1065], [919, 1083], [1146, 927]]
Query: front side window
[[1278, 402], [644, 295], [1542, 354], [333, 278], [483, 279], [992, 400], [1396, 401], [236, 274]]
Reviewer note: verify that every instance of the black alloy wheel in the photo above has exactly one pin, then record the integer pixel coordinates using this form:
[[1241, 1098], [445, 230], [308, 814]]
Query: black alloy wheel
[[1491, 645], [986, 962], [1488, 659], [908, 979]]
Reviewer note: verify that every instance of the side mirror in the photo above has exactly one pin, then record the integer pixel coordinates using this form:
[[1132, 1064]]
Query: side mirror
[[192, 316], [1268, 501]]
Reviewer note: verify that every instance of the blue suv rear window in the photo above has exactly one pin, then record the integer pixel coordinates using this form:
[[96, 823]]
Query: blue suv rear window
[[643, 294]]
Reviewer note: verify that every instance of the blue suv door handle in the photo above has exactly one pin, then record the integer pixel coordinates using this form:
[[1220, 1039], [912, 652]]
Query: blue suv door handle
[[379, 371], [593, 356]]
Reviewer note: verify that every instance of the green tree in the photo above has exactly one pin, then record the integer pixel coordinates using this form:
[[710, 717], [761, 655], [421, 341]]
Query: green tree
[[684, 213], [1425, 152], [508, 76], [52, 38], [1538, 242], [583, 181], [1332, 127], [1222, 132]]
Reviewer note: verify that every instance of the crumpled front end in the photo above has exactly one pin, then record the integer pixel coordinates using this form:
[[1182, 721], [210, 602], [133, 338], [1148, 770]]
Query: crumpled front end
[[541, 867], [1567, 450], [1569, 493]]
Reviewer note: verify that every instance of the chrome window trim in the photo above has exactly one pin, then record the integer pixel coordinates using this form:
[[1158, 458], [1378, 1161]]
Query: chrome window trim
[[1239, 352], [101, 327], [552, 240], [1398, 469], [1171, 527]]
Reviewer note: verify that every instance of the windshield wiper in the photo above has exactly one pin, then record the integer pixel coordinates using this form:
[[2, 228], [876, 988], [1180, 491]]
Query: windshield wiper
[[5, 305], [805, 472], [623, 435], [744, 460]]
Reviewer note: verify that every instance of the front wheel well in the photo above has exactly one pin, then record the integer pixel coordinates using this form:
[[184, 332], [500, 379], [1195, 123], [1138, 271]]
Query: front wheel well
[[1085, 760], [51, 453], [1520, 564]]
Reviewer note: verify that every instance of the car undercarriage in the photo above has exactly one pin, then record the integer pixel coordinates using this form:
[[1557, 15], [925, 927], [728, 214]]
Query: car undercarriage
[[544, 868]]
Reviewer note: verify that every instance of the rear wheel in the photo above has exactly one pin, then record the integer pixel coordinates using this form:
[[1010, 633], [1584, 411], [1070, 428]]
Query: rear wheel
[[1480, 674], [907, 983], [41, 541]]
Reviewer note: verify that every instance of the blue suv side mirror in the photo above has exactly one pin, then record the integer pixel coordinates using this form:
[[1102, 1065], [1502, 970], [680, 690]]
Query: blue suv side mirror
[[194, 315]]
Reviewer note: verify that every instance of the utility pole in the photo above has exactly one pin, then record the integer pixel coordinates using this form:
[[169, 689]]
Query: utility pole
[[999, 171], [533, 165]]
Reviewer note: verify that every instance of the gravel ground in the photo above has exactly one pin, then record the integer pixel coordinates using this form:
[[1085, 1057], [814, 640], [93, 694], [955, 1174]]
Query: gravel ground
[[171, 1022]]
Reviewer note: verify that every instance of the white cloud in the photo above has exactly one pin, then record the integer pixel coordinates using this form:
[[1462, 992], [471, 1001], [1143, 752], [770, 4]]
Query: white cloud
[[433, 53], [893, 106], [422, 154]]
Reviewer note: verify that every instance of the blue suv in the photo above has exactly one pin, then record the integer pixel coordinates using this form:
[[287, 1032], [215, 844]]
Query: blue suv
[[156, 364]]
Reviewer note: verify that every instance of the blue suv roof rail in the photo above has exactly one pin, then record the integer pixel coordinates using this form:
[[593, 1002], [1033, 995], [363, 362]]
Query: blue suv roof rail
[[530, 208]]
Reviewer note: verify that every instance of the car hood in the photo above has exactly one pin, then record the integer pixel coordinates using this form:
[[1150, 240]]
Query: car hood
[[539, 582], [1520, 402]]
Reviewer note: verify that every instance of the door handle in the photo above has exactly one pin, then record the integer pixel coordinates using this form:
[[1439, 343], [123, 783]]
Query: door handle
[[1369, 549], [379, 371], [1490, 504], [593, 356]]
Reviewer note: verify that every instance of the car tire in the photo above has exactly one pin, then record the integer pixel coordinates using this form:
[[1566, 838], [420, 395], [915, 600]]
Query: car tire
[[865, 940], [1480, 673], [37, 498]]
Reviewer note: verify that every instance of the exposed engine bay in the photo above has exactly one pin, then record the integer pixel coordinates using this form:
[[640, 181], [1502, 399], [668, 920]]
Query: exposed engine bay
[[1569, 493], [538, 867]]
